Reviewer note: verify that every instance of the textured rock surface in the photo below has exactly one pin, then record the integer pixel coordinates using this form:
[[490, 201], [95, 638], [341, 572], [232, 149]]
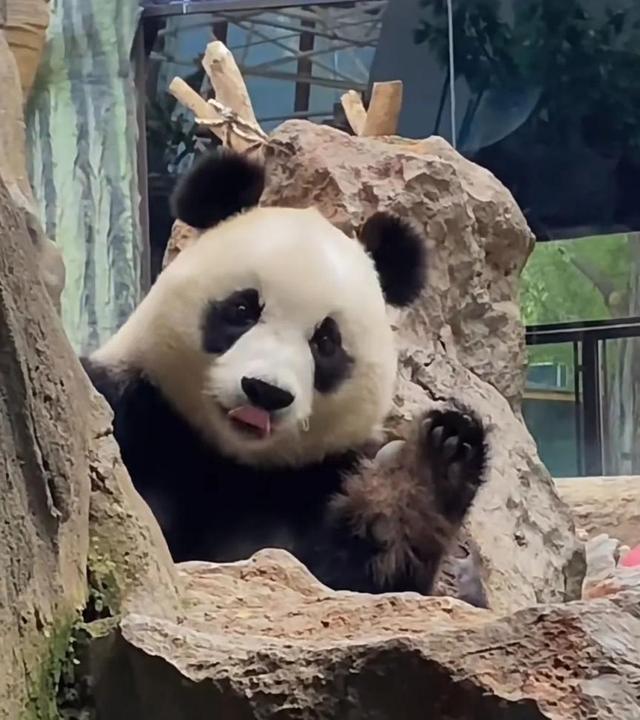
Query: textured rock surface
[[44, 475], [604, 505], [478, 236], [128, 558], [264, 640], [464, 338], [605, 574], [524, 534], [59, 469]]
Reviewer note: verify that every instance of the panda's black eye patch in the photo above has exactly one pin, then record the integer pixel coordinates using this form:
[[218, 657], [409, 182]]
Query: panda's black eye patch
[[225, 321], [332, 362]]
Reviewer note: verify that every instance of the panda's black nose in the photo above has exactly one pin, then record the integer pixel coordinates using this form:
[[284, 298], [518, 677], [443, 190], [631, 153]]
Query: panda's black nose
[[266, 396]]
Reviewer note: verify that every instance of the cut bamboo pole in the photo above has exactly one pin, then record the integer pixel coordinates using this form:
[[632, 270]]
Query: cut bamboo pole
[[384, 109], [227, 81], [354, 110]]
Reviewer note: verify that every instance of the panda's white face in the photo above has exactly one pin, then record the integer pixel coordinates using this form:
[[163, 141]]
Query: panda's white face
[[270, 335]]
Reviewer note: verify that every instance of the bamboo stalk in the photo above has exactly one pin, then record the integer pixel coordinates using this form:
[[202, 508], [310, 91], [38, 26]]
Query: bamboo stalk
[[227, 81], [384, 109]]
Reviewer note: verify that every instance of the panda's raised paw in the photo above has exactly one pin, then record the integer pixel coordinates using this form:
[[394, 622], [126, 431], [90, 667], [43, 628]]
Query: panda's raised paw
[[452, 458]]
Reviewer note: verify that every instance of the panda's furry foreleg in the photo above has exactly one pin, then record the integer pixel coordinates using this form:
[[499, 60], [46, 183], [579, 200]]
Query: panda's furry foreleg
[[407, 507]]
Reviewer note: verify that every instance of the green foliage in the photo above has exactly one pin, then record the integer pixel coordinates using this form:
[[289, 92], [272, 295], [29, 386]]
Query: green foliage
[[52, 648], [73, 695], [554, 289], [585, 58], [171, 132]]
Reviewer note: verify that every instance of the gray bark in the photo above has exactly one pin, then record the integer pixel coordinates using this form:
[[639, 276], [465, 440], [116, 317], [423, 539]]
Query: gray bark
[[622, 400], [44, 478]]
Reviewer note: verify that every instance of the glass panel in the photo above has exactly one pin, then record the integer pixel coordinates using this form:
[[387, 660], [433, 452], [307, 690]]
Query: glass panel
[[413, 47], [548, 99], [552, 409], [296, 62], [592, 278], [620, 383]]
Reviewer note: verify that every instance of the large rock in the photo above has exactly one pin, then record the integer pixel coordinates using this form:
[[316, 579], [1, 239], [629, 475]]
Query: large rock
[[263, 639], [604, 505], [606, 573], [463, 340], [478, 236], [68, 508], [523, 532], [44, 478]]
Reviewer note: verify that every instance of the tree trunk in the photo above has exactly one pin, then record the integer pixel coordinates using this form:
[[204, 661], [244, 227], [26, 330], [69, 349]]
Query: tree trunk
[[44, 478], [82, 130], [622, 373], [21, 39]]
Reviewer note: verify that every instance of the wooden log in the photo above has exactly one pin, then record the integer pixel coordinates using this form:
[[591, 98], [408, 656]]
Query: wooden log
[[26, 29], [188, 97], [226, 79], [224, 123], [13, 163], [384, 109], [354, 110]]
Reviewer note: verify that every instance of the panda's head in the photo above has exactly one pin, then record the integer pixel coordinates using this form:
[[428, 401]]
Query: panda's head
[[270, 332]]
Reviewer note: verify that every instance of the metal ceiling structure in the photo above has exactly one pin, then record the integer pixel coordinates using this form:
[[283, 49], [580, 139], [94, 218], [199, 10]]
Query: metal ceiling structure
[[151, 8], [319, 44]]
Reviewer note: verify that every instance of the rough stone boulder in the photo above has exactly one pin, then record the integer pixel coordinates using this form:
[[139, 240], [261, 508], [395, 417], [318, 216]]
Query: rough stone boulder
[[478, 237], [463, 340], [73, 531], [262, 639], [607, 574], [604, 505]]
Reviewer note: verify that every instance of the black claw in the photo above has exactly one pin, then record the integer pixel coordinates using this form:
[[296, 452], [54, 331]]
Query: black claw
[[450, 448], [436, 436], [455, 453]]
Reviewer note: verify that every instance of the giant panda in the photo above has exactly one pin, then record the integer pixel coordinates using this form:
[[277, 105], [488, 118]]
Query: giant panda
[[249, 381]]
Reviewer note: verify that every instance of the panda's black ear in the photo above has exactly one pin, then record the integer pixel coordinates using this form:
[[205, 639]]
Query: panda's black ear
[[217, 186], [399, 252]]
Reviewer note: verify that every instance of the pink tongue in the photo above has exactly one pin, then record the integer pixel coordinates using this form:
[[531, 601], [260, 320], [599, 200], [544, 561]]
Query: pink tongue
[[254, 417]]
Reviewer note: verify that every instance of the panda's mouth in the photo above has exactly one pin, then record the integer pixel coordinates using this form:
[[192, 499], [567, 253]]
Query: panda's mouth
[[251, 420]]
